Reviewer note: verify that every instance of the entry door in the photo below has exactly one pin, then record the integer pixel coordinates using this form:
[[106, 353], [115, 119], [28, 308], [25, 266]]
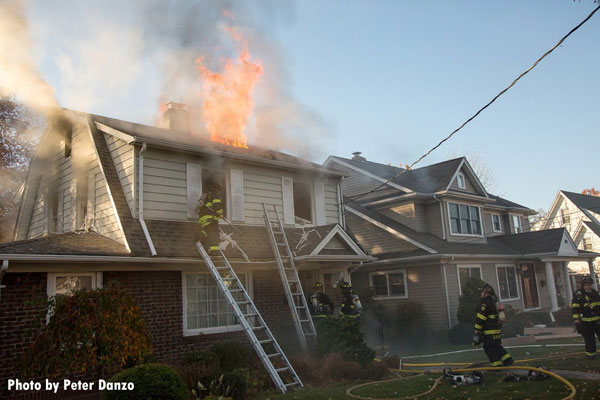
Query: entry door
[[529, 286]]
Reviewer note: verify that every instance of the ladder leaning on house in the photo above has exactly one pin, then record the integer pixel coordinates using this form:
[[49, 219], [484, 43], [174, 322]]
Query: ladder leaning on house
[[289, 276], [272, 357]]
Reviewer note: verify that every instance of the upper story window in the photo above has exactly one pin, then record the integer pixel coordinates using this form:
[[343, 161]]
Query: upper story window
[[587, 244], [517, 227], [496, 223], [564, 216], [302, 202], [464, 219], [460, 181]]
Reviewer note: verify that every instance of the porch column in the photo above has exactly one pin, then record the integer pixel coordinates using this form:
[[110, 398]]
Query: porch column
[[567, 279], [551, 286], [592, 272]]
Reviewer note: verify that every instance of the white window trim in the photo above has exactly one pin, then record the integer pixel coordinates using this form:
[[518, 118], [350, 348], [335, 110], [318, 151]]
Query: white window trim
[[313, 204], [388, 272], [51, 290], [218, 329], [514, 230], [499, 221], [466, 266], [458, 181], [516, 281], [464, 234]]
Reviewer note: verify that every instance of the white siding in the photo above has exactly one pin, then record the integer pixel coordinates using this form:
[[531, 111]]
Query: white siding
[[331, 202], [165, 186], [122, 155], [38, 222]]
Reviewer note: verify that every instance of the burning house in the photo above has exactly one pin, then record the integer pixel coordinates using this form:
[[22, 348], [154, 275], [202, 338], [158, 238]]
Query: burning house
[[116, 202]]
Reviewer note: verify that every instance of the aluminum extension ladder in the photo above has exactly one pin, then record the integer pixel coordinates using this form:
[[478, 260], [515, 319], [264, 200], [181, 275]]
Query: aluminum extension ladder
[[289, 276], [271, 355]]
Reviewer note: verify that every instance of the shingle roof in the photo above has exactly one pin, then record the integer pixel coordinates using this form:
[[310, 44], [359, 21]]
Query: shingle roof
[[180, 137], [593, 227], [178, 238], [584, 201], [545, 241], [506, 203], [69, 243]]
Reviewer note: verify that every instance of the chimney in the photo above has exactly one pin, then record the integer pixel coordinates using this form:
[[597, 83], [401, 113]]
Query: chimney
[[177, 117], [357, 156]]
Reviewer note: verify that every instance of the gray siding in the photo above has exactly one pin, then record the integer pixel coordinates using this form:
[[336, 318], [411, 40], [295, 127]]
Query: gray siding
[[261, 186], [434, 218], [488, 226], [38, 222], [404, 213], [122, 155], [374, 239], [165, 186], [469, 185]]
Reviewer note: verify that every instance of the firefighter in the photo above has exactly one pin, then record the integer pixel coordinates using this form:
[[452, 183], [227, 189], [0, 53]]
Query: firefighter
[[210, 209], [586, 314], [321, 306], [488, 327], [351, 307]]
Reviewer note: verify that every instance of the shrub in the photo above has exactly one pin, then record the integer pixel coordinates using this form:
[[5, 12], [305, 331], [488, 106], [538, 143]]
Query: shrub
[[227, 384], [513, 328], [152, 382], [99, 331], [564, 317], [198, 364], [411, 322], [231, 355], [461, 333], [343, 335], [469, 300]]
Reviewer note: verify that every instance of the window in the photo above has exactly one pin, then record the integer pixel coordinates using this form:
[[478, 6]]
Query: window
[[206, 310], [464, 220], [587, 244], [460, 181], [496, 224], [302, 203], [65, 283], [68, 142], [564, 216], [507, 282], [517, 228], [52, 216], [389, 283], [465, 272], [218, 177]]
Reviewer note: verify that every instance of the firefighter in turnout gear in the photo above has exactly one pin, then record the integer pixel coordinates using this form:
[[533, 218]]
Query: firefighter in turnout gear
[[586, 314], [351, 306], [210, 210], [321, 306], [488, 328]]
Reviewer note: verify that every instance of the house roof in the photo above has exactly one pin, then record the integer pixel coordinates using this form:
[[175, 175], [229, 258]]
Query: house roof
[[69, 243], [173, 138], [499, 201], [546, 241], [593, 227], [583, 201]]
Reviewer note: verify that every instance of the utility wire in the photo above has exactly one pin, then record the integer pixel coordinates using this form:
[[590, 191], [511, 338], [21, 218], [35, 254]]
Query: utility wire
[[481, 109]]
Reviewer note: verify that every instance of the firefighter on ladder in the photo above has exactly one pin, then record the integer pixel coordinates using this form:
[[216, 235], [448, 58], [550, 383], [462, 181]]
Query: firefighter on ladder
[[586, 314], [351, 306], [488, 323], [321, 305], [210, 210]]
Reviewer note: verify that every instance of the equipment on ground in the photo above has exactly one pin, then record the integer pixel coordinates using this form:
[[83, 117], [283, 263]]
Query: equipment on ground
[[475, 378], [289, 276], [268, 350], [534, 375]]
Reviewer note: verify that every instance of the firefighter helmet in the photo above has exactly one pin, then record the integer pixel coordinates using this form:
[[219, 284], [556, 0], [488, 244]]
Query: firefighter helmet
[[318, 285], [588, 279], [345, 286]]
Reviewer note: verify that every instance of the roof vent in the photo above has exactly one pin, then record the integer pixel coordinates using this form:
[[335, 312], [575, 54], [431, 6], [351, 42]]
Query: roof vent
[[176, 116], [357, 156]]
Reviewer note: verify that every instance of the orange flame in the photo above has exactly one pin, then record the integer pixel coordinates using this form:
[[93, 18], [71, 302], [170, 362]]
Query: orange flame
[[228, 96]]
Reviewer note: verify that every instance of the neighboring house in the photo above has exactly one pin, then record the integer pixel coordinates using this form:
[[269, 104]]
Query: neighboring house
[[110, 201], [579, 214], [433, 227]]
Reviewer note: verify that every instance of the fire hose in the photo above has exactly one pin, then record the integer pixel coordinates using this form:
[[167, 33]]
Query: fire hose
[[438, 380]]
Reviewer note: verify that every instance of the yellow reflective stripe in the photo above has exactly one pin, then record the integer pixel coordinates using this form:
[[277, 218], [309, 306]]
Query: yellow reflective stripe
[[590, 319], [576, 316], [481, 316], [596, 304], [496, 363], [492, 316], [477, 326], [216, 201], [506, 356], [213, 248], [208, 204], [575, 305], [491, 332], [589, 354]]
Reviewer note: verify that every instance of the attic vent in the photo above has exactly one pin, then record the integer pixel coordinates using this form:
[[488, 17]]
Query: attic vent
[[357, 156]]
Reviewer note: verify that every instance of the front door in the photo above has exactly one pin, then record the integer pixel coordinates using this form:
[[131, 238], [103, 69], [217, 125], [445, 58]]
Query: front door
[[529, 286]]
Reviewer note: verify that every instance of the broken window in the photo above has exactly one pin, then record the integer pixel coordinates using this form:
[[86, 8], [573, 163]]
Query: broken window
[[218, 177], [302, 202], [68, 142]]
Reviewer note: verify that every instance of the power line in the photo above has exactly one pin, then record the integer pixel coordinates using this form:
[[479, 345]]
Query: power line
[[482, 108]]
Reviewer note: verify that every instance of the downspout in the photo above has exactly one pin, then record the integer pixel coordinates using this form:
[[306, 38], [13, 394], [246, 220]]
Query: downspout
[[141, 201], [443, 219], [445, 277], [2, 272]]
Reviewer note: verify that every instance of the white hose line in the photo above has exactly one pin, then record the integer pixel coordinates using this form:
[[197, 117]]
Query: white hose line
[[506, 347]]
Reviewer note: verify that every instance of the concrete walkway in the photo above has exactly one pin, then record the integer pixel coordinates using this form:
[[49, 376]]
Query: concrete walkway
[[592, 376]]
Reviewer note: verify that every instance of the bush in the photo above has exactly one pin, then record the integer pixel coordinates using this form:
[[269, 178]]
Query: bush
[[564, 317], [411, 322], [152, 382], [469, 300], [92, 331], [198, 364], [231, 355], [343, 335], [227, 384], [513, 328], [461, 333]]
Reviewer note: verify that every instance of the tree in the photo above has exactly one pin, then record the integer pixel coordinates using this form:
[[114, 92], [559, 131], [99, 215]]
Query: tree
[[536, 221], [88, 332], [591, 192], [19, 131]]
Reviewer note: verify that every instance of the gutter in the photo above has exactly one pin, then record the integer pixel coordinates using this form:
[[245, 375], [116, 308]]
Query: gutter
[[141, 201], [442, 215], [2, 272], [335, 258]]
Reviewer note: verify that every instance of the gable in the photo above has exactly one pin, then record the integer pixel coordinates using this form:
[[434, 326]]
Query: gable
[[337, 242], [468, 177], [567, 247]]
